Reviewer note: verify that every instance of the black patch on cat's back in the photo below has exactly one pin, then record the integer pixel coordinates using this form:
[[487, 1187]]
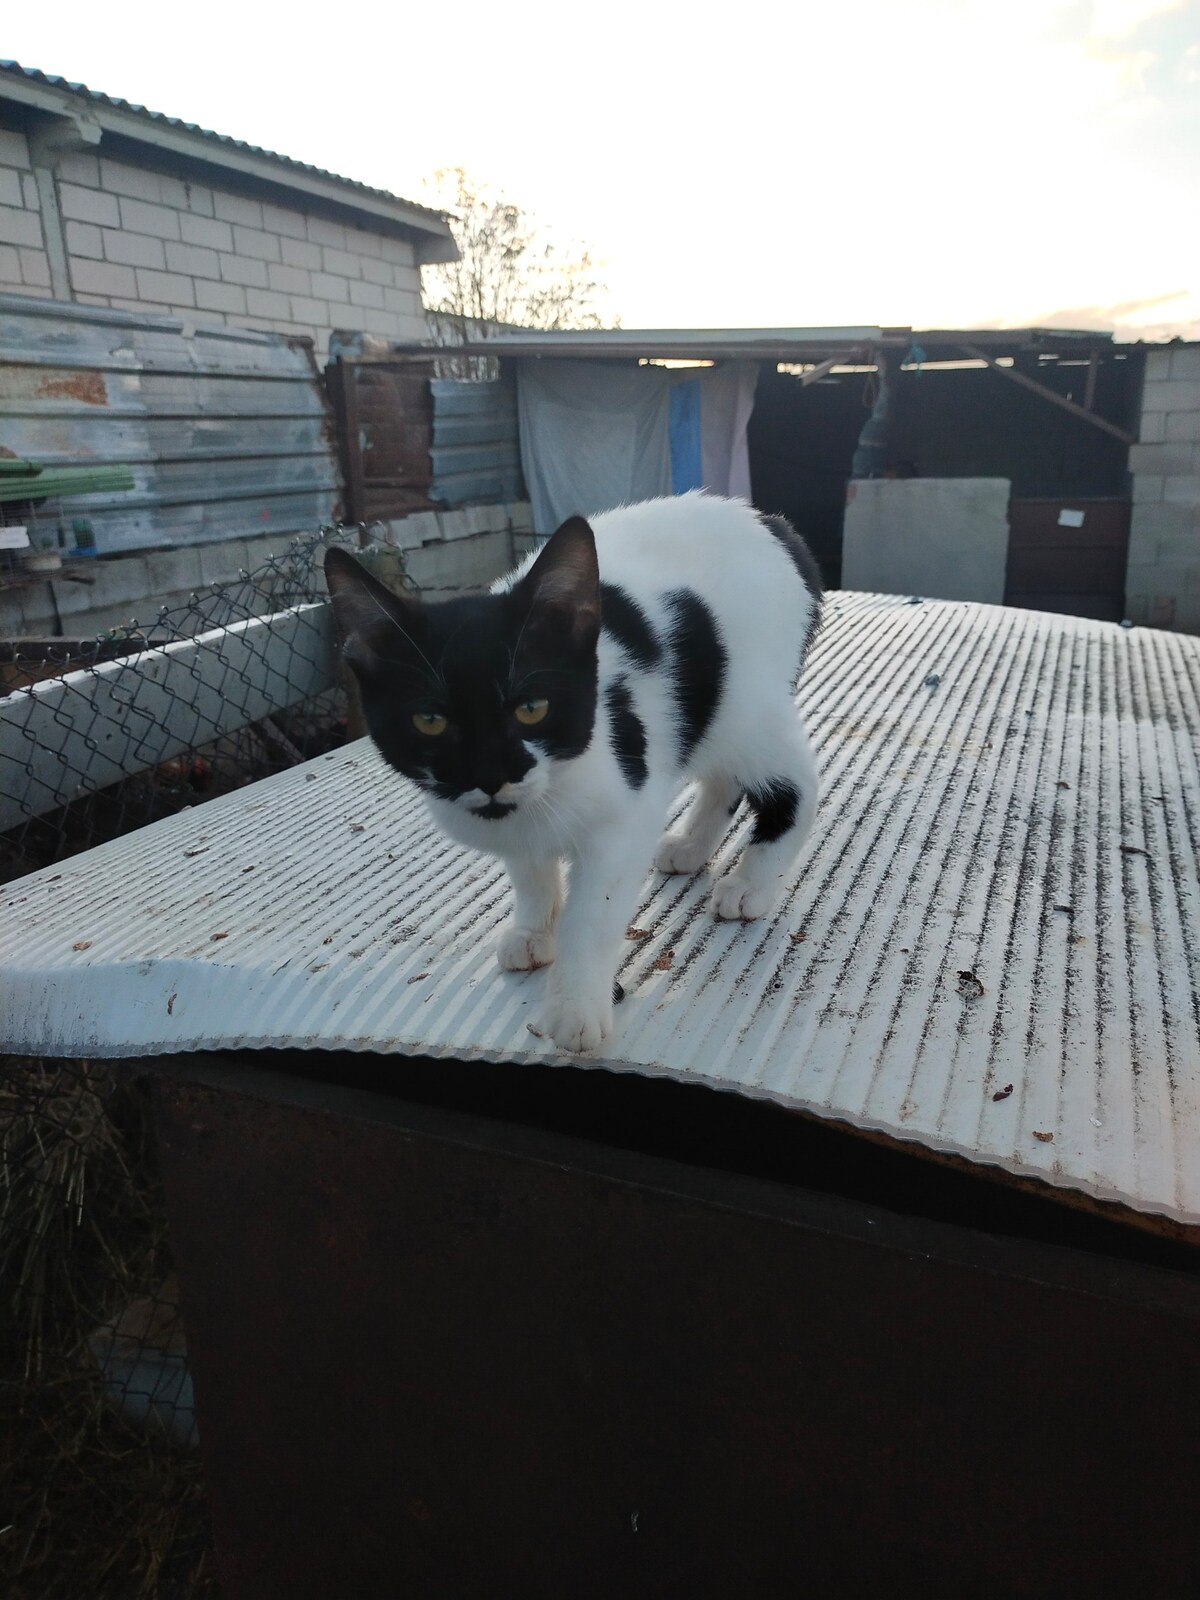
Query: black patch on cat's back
[[798, 553], [699, 662], [628, 733], [805, 564], [629, 625]]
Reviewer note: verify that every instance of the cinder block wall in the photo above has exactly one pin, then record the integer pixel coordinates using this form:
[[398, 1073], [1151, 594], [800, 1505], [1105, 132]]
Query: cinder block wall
[[138, 239], [448, 551], [444, 551], [1162, 583], [24, 268]]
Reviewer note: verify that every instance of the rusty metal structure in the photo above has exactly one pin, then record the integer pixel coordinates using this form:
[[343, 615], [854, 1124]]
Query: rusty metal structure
[[410, 440], [594, 1335]]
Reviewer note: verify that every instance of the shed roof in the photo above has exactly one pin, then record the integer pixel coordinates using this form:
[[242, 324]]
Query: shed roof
[[988, 947], [800, 345], [46, 94]]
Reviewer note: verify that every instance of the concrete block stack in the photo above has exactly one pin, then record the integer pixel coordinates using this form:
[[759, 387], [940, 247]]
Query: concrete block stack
[[1162, 586]]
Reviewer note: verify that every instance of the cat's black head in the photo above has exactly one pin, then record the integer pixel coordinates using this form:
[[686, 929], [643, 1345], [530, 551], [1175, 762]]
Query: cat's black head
[[470, 697]]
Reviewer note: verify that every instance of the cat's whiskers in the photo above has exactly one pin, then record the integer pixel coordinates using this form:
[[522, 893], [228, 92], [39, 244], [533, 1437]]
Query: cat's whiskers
[[513, 653], [559, 815], [404, 634]]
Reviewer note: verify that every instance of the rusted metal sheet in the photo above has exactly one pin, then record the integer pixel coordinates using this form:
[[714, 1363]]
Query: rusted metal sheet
[[1068, 555], [225, 430], [384, 414], [988, 946], [443, 1355]]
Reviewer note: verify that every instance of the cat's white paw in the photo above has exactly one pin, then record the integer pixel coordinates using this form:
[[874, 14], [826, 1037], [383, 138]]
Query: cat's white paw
[[677, 853], [525, 949], [733, 900], [573, 1024]]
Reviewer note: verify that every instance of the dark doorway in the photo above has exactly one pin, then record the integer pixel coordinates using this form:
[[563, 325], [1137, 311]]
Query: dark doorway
[[953, 419], [801, 442]]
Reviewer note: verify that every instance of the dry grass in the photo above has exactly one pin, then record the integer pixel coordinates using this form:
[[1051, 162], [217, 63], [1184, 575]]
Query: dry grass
[[93, 1508]]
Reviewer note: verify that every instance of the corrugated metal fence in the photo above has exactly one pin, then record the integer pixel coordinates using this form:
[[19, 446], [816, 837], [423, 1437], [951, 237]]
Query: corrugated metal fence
[[412, 442], [225, 430], [476, 453]]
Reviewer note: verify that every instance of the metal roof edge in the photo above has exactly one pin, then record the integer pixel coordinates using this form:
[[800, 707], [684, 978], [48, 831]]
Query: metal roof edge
[[675, 341], [796, 344], [30, 306], [40, 91], [771, 344]]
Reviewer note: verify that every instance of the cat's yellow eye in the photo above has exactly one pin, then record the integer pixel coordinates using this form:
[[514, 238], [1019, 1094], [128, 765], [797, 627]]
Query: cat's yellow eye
[[430, 722], [531, 712]]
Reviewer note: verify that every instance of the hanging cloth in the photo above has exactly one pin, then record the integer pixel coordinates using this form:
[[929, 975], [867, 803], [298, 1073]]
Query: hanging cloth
[[726, 404], [594, 435]]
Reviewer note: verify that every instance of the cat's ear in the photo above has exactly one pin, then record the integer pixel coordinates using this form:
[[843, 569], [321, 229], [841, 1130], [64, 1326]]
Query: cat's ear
[[375, 624], [563, 585]]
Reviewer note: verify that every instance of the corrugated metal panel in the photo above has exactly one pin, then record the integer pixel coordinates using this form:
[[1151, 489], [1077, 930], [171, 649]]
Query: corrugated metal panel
[[1001, 889], [225, 430], [476, 452]]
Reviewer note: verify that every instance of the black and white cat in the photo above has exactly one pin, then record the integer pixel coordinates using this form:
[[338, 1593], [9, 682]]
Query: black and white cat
[[555, 719]]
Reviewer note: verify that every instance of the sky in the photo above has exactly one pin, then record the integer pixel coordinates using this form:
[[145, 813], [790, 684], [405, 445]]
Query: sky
[[932, 163]]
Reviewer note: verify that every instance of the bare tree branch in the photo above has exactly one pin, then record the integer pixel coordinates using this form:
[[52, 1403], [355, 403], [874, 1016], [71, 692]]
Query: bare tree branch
[[509, 275]]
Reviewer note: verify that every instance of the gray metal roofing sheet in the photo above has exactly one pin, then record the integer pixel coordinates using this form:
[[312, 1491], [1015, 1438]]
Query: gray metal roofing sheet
[[853, 344], [97, 97], [1001, 889]]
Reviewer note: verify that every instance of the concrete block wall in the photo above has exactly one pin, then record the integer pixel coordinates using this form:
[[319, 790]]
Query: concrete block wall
[[24, 268], [446, 552], [449, 551], [139, 239], [1162, 581], [122, 588]]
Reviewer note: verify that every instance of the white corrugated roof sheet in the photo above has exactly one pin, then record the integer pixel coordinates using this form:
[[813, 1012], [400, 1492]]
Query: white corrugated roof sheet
[[1001, 889]]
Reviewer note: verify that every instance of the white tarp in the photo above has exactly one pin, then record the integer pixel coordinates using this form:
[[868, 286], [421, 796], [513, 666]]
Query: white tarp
[[596, 435], [593, 436], [726, 402]]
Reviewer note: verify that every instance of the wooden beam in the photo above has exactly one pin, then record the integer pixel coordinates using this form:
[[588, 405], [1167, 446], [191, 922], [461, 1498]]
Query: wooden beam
[[1059, 400], [824, 368], [1089, 392], [342, 380]]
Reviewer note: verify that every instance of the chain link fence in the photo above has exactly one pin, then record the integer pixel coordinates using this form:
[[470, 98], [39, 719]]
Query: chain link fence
[[102, 735], [101, 1493]]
